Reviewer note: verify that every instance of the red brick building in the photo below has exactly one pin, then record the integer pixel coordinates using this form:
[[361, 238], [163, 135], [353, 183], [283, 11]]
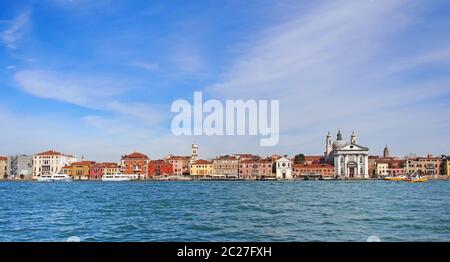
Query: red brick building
[[325, 170], [135, 164], [159, 168]]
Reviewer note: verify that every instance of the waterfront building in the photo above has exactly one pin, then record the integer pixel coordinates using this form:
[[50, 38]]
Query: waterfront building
[[180, 164], [308, 171], [255, 168], [382, 170], [283, 168], [159, 168], [429, 166], [111, 168], [135, 164], [50, 162], [81, 170], [202, 169], [395, 171], [372, 162], [350, 159], [226, 166], [446, 166], [66, 170], [96, 171], [20, 167], [3, 167]]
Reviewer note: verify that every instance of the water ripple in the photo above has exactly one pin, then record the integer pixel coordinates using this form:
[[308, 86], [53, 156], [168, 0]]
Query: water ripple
[[221, 211]]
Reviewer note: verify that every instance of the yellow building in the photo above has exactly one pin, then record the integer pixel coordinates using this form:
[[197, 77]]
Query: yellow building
[[447, 166], [3, 165], [111, 169], [202, 168], [80, 170]]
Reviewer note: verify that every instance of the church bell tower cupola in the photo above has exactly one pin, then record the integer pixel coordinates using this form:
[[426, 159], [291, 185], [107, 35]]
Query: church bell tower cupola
[[328, 145], [353, 138], [386, 151], [339, 135]]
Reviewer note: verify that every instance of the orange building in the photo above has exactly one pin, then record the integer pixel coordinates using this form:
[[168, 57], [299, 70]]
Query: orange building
[[135, 164], [81, 170]]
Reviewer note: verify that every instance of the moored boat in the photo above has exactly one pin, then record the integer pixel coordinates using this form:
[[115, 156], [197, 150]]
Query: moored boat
[[116, 178], [55, 177]]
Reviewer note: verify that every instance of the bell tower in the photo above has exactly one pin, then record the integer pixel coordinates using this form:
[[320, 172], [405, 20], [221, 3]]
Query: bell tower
[[194, 152], [353, 138], [328, 145], [386, 151]]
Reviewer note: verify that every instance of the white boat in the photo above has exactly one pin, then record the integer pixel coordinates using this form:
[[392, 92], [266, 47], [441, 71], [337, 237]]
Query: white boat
[[116, 178], [55, 177]]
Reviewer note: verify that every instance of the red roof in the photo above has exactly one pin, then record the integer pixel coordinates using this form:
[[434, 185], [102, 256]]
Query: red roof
[[3, 158], [83, 163], [159, 161], [313, 158], [226, 157], [202, 162], [49, 153], [251, 161], [171, 157], [135, 155], [110, 165]]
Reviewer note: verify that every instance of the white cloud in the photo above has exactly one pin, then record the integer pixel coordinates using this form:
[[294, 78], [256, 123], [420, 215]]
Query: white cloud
[[13, 33]]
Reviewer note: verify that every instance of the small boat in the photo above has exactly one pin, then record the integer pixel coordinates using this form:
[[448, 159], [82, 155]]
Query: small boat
[[416, 178], [55, 177], [116, 178]]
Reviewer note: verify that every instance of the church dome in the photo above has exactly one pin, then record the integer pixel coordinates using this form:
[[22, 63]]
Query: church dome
[[338, 144]]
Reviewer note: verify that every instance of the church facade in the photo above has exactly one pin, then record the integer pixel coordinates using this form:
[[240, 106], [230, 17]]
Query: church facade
[[351, 160]]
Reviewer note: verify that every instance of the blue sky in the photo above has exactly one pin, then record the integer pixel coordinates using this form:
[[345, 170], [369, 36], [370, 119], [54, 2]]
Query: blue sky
[[97, 78]]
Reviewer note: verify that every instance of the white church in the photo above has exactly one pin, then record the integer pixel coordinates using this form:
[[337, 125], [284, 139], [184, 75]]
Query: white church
[[351, 160]]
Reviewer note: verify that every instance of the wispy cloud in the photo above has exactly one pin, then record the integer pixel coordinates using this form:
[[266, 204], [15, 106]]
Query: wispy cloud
[[101, 93], [13, 33], [439, 55]]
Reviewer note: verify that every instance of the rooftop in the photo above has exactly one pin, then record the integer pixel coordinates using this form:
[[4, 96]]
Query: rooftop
[[135, 155]]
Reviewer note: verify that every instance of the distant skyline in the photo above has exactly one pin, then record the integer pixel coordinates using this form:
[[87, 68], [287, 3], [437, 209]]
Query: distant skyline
[[97, 78]]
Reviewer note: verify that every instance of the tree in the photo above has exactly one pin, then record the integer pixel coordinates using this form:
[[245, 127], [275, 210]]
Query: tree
[[299, 159]]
